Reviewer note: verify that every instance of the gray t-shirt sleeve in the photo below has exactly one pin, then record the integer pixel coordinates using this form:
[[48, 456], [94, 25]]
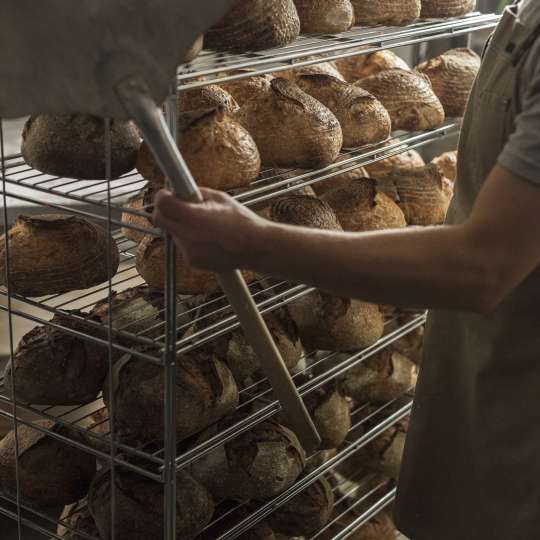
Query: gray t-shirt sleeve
[[521, 154]]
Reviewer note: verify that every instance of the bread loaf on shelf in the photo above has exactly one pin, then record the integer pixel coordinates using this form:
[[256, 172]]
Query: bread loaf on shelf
[[194, 50], [53, 367], [291, 128], [206, 97], [77, 518], [73, 146], [55, 254], [258, 464], [321, 68], [220, 153], [380, 527], [138, 506], [452, 76], [389, 12], [343, 179], [362, 117], [141, 203], [408, 97], [424, 196], [447, 164], [324, 16], [51, 472], [205, 392], [358, 67], [361, 207], [253, 25], [243, 90], [446, 8], [409, 159]]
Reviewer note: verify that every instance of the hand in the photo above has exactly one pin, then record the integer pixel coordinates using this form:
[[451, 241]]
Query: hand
[[219, 234]]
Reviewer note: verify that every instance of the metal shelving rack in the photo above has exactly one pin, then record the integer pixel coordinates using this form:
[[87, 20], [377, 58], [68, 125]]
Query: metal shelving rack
[[105, 202]]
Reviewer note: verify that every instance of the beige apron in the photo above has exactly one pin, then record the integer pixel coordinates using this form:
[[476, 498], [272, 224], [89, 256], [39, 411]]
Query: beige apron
[[471, 468]]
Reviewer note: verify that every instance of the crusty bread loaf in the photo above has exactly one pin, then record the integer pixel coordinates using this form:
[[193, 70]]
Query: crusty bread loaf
[[324, 16], [321, 68], [53, 367], [205, 392], [361, 207], [220, 153], [409, 98], [243, 90], [252, 25], [206, 97], [447, 164], [138, 506], [291, 128], [50, 472], [424, 194], [258, 464], [142, 203], [408, 159], [389, 12], [452, 76], [358, 67], [340, 180], [446, 8], [76, 518], [73, 146], [362, 117], [194, 50], [380, 527], [54, 254]]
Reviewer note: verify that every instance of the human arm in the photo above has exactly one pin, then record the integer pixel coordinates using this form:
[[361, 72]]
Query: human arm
[[470, 267]]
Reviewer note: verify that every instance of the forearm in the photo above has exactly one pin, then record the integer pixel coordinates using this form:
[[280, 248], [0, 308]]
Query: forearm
[[436, 267]]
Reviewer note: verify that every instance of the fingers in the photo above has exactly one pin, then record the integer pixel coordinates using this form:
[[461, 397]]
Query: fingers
[[214, 195]]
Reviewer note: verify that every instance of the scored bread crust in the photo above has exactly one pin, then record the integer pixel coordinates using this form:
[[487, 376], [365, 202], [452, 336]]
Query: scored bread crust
[[253, 25], [73, 145], [452, 76], [219, 152], [243, 90], [447, 164], [340, 180], [75, 518], [291, 128], [404, 160], [358, 67], [446, 8], [389, 12], [408, 97], [324, 16], [362, 117], [322, 68], [55, 254], [206, 97]]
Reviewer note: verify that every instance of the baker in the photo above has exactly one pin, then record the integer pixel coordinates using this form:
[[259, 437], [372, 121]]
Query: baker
[[471, 469]]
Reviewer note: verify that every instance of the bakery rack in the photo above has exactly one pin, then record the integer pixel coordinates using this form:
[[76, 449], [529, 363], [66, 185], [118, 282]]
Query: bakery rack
[[106, 202]]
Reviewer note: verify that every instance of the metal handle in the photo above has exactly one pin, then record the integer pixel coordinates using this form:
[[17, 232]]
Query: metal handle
[[150, 120]]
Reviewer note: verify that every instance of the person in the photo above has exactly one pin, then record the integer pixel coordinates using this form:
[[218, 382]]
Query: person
[[471, 468]]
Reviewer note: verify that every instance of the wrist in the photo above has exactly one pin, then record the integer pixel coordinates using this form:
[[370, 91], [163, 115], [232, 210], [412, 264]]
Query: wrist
[[259, 250]]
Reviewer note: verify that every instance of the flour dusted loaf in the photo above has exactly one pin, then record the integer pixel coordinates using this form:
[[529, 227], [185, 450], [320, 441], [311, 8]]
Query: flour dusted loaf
[[258, 464], [53, 367], [50, 472], [324, 16], [343, 179], [55, 254], [408, 97], [206, 97], [291, 128], [389, 12], [358, 67], [446, 8], [320, 68], [253, 25], [73, 145], [248, 88], [75, 518], [219, 152], [205, 391], [139, 506], [447, 164], [452, 76], [408, 159], [362, 117]]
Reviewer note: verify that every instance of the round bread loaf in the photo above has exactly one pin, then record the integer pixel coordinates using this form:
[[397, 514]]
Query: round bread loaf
[[291, 128], [452, 76], [243, 90], [206, 97], [408, 97], [424, 195], [138, 506], [358, 67], [220, 153], [446, 8], [205, 392], [321, 68], [447, 165], [362, 117], [361, 207], [305, 513], [53, 367], [381, 527], [143, 204], [50, 472], [77, 518], [258, 464], [389, 12], [73, 146], [408, 159], [55, 254], [340, 180], [253, 25], [381, 378], [324, 16], [195, 50]]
